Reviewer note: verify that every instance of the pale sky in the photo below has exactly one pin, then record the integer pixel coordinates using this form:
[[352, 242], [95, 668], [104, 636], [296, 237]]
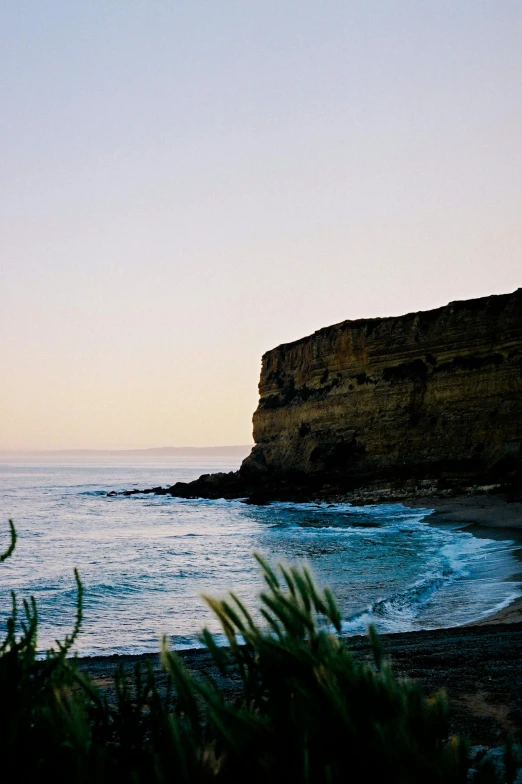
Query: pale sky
[[186, 184]]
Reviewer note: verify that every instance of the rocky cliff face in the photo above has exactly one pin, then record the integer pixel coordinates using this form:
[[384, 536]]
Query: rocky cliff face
[[426, 395]]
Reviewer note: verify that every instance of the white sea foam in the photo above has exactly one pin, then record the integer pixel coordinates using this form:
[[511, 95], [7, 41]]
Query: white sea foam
[[465, 581]]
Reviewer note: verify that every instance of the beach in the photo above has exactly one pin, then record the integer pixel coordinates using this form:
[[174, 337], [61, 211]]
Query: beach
[[479, 666], [484, 515], [486, 510]]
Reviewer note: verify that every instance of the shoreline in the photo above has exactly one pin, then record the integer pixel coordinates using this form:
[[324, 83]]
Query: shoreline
[[486, 516], [478, 509], [479, 664]]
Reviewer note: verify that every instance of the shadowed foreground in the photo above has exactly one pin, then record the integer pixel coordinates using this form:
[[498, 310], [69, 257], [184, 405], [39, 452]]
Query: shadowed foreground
[[479, 668], [289, 701]]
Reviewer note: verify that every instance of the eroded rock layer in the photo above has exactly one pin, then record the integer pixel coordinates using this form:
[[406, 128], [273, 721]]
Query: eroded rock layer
[[426, 395]]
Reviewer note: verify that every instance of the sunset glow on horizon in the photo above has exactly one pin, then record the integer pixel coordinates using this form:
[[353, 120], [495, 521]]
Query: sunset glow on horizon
[[187, 185]]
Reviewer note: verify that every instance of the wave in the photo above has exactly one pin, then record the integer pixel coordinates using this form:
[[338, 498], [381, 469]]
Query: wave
[[396, 612]]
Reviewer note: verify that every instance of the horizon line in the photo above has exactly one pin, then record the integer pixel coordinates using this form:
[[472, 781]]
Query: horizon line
[[156, 450]]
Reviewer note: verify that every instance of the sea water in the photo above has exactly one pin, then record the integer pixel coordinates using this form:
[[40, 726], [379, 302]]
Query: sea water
[[145, 561]]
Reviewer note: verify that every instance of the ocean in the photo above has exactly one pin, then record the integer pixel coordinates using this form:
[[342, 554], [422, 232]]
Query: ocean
[[145, 561]]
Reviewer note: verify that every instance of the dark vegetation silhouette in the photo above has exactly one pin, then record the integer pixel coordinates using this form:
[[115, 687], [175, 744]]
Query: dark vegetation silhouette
[[306, 710]]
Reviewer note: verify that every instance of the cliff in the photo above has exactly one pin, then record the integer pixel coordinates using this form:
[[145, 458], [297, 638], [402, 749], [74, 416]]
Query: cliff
[[428, 395], [386, 408]]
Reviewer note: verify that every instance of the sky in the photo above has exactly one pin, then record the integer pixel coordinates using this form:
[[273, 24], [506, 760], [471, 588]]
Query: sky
[[185, 184]]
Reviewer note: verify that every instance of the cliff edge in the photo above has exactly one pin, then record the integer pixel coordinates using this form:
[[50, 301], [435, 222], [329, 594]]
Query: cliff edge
[[387, 408], [429, 395]]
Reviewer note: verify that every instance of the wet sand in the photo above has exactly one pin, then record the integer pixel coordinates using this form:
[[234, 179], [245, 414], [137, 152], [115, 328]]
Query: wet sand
[[481, 510], [479, 666], [488, 516]]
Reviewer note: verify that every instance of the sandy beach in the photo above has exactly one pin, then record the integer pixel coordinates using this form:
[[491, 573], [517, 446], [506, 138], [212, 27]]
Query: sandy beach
[[490, 516], [480, 510]]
